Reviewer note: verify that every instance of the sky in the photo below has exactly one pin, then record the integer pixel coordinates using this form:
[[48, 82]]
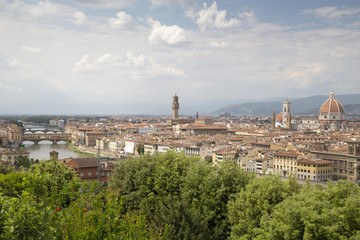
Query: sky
[[132, 56]]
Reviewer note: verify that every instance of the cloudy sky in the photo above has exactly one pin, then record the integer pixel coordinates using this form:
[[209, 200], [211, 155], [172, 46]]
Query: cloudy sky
[[132, 56]]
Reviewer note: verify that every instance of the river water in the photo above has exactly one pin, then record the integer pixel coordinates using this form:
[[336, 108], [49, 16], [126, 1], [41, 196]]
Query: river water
[[42, 150]]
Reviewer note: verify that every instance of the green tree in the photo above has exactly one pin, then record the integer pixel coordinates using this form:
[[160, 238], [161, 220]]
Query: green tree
[[12, 184], [184, 193], [23, 161], [59, 173], [24, 218], [4, 169], [258, 198], [316, 213], [140, 148], [100, 216]]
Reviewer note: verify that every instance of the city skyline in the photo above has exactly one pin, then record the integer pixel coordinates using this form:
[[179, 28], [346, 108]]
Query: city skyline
[[67, 56]]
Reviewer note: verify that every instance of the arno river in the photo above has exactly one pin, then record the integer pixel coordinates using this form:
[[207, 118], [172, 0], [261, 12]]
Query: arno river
[[41, 151]]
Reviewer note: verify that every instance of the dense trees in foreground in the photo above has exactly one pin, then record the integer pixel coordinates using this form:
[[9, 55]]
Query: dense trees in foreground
[[172, 196]]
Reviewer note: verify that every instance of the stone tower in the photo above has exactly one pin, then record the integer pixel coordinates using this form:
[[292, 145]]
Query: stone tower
[[286, 113], [273, 119], [175, 107]]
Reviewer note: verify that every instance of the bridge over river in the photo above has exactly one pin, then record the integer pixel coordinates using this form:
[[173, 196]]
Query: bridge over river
[[53, 137]]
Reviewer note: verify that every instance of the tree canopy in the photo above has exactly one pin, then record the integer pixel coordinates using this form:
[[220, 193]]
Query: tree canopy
[[172, 196]]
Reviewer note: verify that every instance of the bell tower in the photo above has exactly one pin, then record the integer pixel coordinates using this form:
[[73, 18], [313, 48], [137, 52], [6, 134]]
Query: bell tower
[[175, 107], [286, 113]]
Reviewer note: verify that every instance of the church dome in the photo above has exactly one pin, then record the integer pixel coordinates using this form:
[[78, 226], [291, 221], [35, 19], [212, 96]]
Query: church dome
[[279, 117], [332, 106], [332, 109]]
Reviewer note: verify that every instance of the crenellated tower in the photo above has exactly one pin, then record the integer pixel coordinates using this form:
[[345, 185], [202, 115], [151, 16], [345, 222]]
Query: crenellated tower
[[175, 107]]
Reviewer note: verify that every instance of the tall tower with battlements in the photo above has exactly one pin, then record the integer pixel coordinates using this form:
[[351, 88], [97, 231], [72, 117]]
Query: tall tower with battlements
[[175, 107], [273, 119]]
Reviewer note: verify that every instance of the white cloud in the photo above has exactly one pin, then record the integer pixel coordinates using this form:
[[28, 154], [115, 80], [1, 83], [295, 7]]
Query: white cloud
[[123, 21], [42, 8], [106, 58], [13, 63], [221, 44], [146, 67], [332, 12], [80, 18], [10, 88], [166, 35], [83, 64], [211, 17], [301, 75], [107, 3], [183, 3], [30, 49], [140, 66]]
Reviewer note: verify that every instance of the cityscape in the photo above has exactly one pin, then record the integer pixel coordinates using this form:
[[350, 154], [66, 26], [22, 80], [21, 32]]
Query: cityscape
[[159, 119]]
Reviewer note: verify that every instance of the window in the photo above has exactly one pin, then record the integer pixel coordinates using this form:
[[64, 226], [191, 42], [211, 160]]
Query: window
[[81, 174], [89, 174]]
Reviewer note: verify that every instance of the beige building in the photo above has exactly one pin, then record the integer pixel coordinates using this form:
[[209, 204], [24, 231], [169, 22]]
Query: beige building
[[11, 155], [314, 170], [91, 137], [345, 164], [285, 163], [14, 134]]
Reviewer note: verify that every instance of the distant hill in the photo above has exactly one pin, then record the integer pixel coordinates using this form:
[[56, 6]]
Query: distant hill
[[300, 106]]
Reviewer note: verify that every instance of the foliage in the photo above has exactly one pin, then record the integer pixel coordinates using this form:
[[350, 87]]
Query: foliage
[[140, 148], [12, 184], [100, 217], [257, 199], [59, 173], [173, 196], [45, 203], [316, 213], [5, 169], [23, 161], [184, 193], [24, 218]]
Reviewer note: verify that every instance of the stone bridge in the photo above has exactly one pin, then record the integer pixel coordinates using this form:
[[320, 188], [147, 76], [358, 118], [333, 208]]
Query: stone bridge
[[54, 137]]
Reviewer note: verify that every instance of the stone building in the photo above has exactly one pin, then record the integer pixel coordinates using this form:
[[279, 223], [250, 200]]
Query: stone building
[[331, 116], [345, 164]]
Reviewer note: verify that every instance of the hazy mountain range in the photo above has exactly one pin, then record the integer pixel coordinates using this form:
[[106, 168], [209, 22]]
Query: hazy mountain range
[[301, 106]]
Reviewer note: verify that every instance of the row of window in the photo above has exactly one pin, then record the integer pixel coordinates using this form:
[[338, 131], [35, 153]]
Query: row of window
[[302, 164], [90, 174]]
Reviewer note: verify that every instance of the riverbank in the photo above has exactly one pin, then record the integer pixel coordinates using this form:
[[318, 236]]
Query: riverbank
[[73, 148], [90, 151]]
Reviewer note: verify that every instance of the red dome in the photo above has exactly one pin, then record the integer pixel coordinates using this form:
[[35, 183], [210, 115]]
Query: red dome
[[331, 106], [279, 117]]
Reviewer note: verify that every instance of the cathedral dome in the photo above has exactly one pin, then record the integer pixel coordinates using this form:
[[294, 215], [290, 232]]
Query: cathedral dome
[[332, 106], [279, 117], [332, 109]]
